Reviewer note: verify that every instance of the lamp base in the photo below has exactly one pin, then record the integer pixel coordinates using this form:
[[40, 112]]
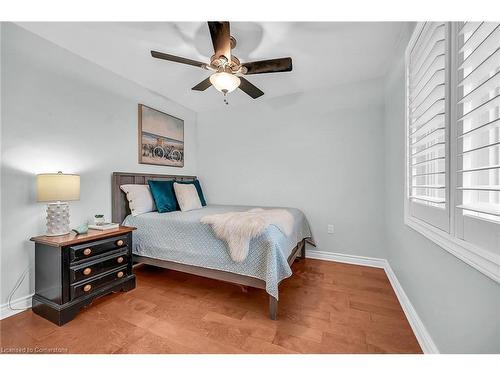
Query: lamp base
[[57, 219]]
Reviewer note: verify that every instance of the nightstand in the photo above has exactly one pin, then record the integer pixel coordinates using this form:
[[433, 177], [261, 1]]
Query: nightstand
[[73, 270]]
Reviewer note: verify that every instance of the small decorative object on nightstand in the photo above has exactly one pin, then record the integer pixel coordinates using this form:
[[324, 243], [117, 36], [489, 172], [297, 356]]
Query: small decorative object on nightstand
[[98, 219], [73, 270], [57, 188]]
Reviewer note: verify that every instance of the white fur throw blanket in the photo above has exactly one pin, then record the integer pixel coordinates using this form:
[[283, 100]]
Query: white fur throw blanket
[[238, 228]]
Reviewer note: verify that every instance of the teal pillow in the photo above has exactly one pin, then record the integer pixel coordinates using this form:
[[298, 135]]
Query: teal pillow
[[198, 189], [163, 195]]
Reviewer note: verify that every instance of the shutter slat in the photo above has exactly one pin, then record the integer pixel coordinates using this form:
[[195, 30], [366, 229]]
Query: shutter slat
[[490, 84], [431, 108], [432, 133], [435, 122], [480, 188], [468, 29], [486, 125], [427, 150], [487, 105], [428, 174], [427, 161], [477, 169], [438, 108], [479, 148], [485, 209], [433, 119], [429, 186], [428, 199]]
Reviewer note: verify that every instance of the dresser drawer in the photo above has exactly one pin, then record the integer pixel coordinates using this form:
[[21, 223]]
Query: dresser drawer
[[91, 250], [92, 285], [99, 266]]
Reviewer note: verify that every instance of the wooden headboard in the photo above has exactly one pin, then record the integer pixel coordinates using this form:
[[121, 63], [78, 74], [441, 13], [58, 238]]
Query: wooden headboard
[[120, 209]]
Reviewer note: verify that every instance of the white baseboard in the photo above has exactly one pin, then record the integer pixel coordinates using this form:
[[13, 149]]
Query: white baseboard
[[21, 303], [346, 258], [423, 337]]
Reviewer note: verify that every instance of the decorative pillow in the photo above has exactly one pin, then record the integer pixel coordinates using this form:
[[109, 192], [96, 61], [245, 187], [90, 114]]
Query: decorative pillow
[[187, 196], [139, 199], [163, 195], [196, 183]]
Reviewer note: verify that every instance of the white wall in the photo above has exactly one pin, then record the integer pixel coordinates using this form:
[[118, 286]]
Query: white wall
[[61, 112], [459, 306], [316, 151]]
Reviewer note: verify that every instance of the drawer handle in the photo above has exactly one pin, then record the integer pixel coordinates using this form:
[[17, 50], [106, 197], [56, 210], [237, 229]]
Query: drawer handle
[[120, 274], [87, 288], [87, 251], [119, 243], [119, 260], [87, 271]]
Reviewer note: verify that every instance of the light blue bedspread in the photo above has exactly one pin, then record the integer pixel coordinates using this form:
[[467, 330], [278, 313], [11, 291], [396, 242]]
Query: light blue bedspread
[[180, 237]]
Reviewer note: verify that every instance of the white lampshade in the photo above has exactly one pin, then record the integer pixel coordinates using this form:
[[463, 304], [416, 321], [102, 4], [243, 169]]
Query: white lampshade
[[225, 82], [52, 187]]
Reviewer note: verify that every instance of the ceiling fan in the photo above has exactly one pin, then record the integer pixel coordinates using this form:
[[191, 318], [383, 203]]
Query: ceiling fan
[[228, 71]]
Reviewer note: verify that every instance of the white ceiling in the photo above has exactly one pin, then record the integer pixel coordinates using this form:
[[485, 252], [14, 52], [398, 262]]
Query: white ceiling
[[324, 54]]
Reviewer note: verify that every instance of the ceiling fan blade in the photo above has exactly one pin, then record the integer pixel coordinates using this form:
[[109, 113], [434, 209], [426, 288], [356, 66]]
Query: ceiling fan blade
[[177, 59], [250, 89], [203, 85], [221, 38], [269, 66]]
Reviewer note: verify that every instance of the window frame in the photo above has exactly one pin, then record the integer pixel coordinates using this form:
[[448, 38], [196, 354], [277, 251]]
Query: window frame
[[483, 260]]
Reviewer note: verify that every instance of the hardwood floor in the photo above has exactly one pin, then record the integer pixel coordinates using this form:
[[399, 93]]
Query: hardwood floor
[[325, 307]]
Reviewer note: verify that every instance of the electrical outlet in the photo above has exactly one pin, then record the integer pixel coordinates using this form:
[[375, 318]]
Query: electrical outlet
[[330, 228]]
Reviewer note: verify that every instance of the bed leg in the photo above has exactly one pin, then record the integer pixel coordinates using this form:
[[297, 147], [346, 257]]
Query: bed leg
[[273, 308], [303, 250]]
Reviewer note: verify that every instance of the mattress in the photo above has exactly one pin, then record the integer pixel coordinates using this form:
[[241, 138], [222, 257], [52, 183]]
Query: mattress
[[180, 237]]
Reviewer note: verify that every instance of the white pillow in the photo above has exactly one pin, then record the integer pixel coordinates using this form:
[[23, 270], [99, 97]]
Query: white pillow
[[187, 196], [139, 198]]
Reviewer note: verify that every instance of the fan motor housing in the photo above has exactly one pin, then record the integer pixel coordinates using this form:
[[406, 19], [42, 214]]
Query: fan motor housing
[[220, 62]]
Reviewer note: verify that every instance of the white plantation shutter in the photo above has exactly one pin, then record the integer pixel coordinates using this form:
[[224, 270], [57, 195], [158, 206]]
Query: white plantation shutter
[[478, 134], [427, 120], [453, 139]]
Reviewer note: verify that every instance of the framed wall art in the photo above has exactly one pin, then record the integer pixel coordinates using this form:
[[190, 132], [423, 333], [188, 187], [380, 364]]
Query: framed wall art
[[161, 138]]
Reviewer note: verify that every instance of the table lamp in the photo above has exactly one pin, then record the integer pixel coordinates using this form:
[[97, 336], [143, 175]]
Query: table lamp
[[57, 189]]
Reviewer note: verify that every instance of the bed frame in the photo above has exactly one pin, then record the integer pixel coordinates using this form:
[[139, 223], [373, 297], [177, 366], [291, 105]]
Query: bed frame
[[120, 210]]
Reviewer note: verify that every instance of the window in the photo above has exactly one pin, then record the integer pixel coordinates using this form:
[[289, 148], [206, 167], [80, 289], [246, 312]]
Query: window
[[453, 139]]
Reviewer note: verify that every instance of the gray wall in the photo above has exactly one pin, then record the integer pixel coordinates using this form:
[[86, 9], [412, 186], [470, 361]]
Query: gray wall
[[316, 151], [459, 306], [61, 112]]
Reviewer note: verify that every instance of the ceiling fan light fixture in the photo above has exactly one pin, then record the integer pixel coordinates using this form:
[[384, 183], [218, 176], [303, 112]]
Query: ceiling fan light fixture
[[225, 82]]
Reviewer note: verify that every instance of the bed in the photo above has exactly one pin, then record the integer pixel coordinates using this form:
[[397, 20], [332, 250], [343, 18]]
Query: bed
[[179, 241]]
